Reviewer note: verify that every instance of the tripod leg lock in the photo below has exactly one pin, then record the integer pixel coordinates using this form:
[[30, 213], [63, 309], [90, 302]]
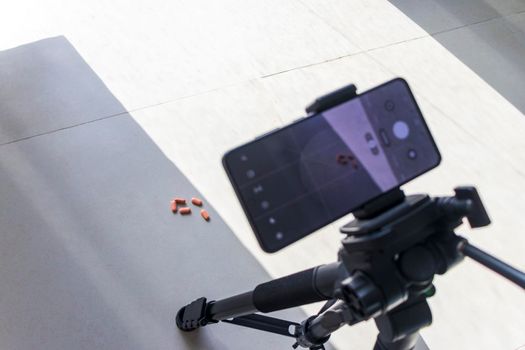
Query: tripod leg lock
[[193, 315], [305, 340]]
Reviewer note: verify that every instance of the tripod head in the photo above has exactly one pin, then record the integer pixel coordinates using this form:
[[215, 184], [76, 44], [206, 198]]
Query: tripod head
[[385, 269], [391, 253], [398, 250]]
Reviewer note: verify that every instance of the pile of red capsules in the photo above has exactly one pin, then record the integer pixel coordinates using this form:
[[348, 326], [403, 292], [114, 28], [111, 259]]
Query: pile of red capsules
[[184, 210], [344, 159]]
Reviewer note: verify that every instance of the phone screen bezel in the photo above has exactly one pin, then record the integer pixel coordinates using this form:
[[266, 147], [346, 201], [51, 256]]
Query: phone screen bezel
[[248, 215]]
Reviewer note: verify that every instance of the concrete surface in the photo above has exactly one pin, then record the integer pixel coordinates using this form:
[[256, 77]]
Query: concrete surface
[[201, 77]]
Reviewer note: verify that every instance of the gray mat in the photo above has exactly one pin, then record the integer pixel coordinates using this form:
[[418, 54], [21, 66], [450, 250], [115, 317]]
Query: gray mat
[[90, 255], [46, 86]]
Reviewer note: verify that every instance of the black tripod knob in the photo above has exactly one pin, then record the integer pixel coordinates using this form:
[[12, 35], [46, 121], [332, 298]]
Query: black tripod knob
[[477, 215], [362, 295], [418, 265]]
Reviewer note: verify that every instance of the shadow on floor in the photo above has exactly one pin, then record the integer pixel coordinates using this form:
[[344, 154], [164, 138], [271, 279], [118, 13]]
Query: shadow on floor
[[488, 36]]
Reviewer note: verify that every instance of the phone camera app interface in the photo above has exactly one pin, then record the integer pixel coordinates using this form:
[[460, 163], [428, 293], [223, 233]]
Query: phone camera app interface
[[308, 174]]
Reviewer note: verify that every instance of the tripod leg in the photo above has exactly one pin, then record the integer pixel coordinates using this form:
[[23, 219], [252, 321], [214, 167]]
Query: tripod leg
[[398, 329], [265, 323], [407, 343], [301, 288]]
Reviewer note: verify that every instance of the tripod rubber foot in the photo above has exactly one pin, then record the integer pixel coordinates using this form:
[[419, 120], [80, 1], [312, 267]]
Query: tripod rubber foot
[[192, 316]]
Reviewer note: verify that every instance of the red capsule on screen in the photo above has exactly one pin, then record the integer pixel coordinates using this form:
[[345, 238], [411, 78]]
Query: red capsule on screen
[[341, 159], [173, 206], [180, 200]]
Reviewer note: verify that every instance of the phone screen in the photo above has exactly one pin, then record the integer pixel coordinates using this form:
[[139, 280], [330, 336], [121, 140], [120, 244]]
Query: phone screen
[[300, 178]]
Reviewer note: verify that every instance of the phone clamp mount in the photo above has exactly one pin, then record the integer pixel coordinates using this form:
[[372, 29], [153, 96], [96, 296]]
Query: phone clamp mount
[[392, 250]]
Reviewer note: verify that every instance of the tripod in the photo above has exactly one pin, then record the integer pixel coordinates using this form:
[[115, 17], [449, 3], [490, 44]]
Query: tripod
[[385, 268]]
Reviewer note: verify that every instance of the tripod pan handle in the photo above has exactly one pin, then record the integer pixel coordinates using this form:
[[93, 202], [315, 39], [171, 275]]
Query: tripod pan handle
[[300, 288]]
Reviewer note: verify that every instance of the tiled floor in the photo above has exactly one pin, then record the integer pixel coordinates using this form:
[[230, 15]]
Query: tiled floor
[[203, 76]]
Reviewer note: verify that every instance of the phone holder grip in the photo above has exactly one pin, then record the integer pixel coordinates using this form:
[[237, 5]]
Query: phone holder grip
[[332, 99]]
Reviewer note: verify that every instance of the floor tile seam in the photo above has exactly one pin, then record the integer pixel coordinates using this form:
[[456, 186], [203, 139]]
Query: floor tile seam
[[428, 34], [444, 31], [386, 68], [127, 111], [62, 129], [360, 51], [494, 18], [177, 99]]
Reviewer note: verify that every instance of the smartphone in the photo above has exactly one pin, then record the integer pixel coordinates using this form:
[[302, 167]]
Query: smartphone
[[297, 179]]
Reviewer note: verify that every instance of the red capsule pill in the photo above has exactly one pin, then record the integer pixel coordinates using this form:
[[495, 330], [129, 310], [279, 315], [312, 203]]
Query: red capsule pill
[[205, 215], [185, 211], [196, 201], [180, 200], [173, 206]]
